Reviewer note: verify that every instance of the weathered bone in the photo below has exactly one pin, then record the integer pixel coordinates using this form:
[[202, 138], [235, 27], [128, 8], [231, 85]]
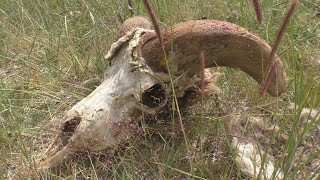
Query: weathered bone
[[100, 119], [251, 163], [248, 155], [254, 132], [136, 83]]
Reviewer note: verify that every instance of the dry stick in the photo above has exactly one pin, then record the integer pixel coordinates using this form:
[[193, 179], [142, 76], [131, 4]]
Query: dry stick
[[202, 92], [272, 62], [131, 7], [202, 75], [257, 8], [156, 27], [154, 21]]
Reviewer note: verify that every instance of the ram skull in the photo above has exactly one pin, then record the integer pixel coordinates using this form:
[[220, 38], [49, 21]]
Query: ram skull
[[137, 78]]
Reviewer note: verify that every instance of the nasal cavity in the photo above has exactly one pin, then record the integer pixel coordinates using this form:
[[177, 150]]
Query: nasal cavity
[[68, 129], [154, 96]]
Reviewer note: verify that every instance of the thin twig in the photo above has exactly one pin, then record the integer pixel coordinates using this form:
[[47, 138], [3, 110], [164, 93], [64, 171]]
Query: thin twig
[[257, 8], [272, 62], [131, 7], [202, 75], [154, 20]]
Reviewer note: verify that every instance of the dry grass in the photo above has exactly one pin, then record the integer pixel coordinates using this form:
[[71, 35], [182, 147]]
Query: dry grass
[[280, 33], [51, 53]]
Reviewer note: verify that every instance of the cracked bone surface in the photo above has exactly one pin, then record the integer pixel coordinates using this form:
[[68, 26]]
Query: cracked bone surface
[[248, 150], [137, 80], [252, 145]]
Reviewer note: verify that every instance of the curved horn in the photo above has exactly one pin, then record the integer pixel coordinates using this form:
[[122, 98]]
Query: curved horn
[[223, 43]]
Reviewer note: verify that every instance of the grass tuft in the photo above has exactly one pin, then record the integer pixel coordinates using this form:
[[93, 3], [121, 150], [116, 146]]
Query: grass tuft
[[51, 56]]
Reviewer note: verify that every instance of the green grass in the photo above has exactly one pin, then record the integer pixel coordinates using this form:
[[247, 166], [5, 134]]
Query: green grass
[[48, 50]]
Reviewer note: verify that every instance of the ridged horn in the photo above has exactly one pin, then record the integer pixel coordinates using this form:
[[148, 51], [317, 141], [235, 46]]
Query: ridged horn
[[223, 44]]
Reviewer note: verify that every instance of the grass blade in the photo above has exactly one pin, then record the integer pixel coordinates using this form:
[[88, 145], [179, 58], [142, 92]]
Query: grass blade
[[257, 8], [272, 63]]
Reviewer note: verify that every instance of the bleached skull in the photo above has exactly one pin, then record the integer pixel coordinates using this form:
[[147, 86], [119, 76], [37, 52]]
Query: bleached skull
[[137, 79], [99, 120]]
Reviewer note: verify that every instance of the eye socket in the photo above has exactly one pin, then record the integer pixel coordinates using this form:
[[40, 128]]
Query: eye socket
[[154, 96]]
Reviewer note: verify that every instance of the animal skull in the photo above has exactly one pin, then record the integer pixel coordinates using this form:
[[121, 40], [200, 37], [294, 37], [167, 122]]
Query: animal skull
[[137, 79]]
